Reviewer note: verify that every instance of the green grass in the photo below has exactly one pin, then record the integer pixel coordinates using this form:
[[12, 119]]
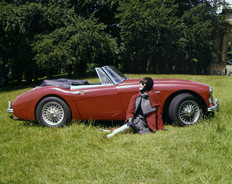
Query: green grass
[[79, 154]]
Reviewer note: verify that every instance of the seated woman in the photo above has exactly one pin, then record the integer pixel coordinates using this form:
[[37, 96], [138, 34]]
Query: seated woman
[[143, 114]]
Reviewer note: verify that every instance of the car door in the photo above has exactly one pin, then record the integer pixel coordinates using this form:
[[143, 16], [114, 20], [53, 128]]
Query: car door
[[100, 102]]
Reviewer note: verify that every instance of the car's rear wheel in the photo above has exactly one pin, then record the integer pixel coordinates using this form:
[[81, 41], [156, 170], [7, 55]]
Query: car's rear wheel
[[53, 112], [185, 110]]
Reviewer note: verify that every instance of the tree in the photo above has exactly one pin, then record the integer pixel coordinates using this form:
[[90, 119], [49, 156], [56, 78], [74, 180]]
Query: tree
[[38, 34], [73, 46], [41, 37], [159, 36], [18, 26]]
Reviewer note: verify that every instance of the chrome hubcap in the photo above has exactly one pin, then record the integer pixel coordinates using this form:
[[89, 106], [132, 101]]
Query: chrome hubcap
[[52, 113], [189, 112]]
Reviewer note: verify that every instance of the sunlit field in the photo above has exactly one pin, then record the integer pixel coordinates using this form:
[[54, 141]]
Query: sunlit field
[[78, 153]]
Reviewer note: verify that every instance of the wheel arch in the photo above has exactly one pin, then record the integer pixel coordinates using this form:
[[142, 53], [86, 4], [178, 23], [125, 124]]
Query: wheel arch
[[173, 95], [52, 95]]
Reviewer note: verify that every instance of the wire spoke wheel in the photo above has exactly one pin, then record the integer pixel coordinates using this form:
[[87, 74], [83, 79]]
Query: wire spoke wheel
[[189, 112], [52, 113], [185, 109]]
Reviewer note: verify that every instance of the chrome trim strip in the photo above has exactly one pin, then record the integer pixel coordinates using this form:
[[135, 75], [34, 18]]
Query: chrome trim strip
[[89, 86]]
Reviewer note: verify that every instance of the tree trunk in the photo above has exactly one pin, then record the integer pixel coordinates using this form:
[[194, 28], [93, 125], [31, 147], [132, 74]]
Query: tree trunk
[[49, 73], [70, 70], [75, 71], [82, 69]]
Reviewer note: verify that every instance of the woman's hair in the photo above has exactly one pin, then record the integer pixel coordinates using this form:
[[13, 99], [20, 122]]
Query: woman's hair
[[149, 84]]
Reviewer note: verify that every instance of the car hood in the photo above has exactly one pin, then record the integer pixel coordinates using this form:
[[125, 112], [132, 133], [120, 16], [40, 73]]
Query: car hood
[[165, 82]]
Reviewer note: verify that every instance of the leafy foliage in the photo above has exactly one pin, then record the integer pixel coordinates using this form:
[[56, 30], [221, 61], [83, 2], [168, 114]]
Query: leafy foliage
[[169, 32], [41, 37], [82, 41]]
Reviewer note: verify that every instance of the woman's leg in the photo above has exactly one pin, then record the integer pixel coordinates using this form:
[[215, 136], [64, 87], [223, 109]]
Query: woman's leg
[[118, 130]]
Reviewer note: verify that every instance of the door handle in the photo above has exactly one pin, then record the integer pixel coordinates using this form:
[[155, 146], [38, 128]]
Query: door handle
[[79, 93]]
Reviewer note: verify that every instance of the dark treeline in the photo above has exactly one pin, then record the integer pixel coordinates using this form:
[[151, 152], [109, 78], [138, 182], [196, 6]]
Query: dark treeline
[[40, 37]]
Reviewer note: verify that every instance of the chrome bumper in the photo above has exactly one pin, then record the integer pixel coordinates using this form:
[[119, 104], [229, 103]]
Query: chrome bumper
[[215, 107], [9, 109]]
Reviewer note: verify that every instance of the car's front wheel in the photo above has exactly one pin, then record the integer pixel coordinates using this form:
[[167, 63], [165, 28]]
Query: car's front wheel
[[185, 110], [53, 112]]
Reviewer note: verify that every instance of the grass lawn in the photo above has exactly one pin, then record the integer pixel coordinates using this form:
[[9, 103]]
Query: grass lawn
[[78, 153]]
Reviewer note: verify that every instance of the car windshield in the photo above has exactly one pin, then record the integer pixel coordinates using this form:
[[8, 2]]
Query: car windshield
[[115, 75]]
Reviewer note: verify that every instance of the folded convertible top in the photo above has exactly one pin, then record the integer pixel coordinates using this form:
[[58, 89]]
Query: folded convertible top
[[63, 83]]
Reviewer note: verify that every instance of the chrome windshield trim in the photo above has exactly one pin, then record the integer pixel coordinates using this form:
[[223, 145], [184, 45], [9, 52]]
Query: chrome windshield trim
[[104, 78], [116, 76]]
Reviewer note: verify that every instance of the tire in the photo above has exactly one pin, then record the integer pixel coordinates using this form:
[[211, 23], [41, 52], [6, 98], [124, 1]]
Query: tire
[[185, 110], [53, 112]]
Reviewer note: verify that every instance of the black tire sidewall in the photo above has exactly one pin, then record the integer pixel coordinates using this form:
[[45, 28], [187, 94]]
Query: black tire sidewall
[[67, 113], [174, 108]]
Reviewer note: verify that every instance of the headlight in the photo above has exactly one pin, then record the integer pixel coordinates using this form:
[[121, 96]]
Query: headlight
[[210, 94], [210, 91]]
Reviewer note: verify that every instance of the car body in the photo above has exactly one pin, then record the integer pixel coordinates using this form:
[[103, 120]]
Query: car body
[[56, 102]]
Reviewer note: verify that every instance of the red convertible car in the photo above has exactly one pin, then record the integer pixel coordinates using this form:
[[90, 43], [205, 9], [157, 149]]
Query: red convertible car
[[56, 102]]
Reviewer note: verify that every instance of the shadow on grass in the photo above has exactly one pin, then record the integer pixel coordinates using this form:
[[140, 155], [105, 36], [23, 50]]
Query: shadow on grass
[[110, 124], [18, 87], [102, 124], [94, 123], [31, 124]]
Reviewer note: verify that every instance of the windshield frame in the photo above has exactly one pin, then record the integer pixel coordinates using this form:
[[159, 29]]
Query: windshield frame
[[114, 74], [110, 75]]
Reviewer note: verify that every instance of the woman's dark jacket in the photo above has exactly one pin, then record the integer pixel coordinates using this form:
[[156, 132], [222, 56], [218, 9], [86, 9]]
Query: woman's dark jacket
[[154, 120]]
